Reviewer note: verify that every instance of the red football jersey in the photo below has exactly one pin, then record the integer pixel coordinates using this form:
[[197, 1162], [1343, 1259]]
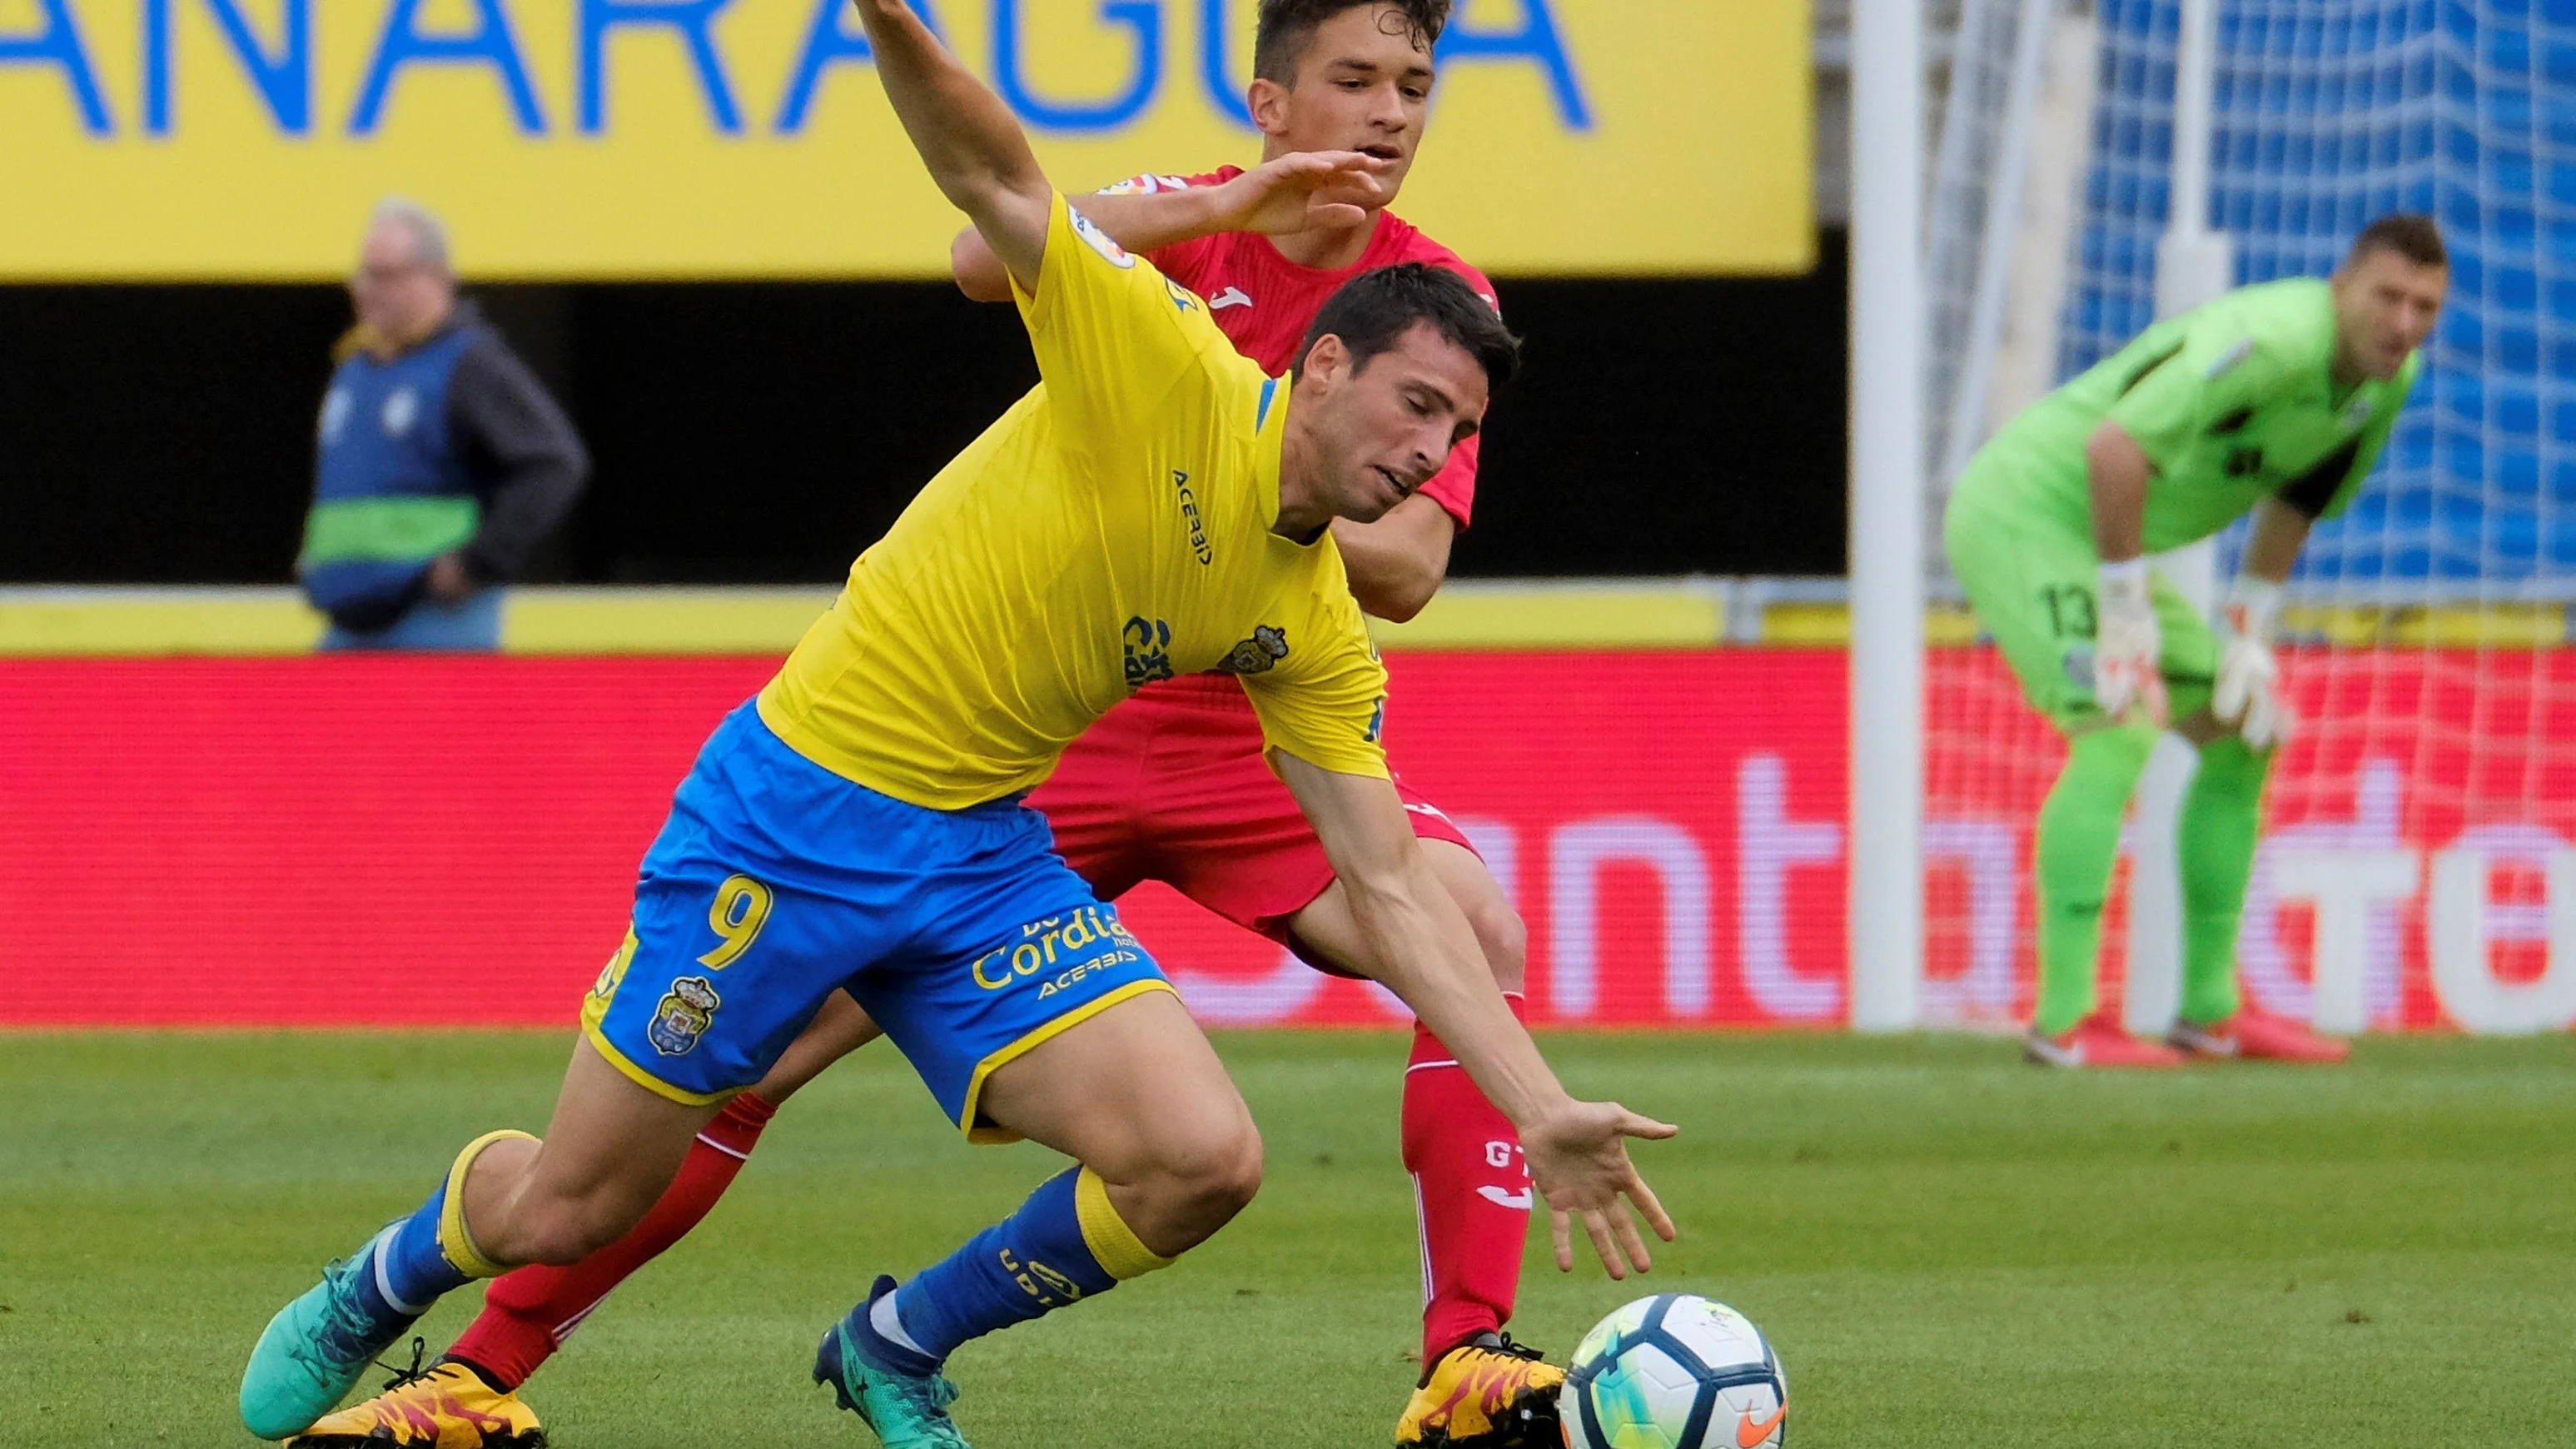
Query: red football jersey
[[1264, 302]]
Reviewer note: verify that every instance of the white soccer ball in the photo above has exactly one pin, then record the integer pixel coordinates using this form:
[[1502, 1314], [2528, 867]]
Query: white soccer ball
[[1675, 1372]]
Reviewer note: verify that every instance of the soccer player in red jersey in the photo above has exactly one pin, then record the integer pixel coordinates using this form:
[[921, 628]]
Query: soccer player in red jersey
[[1172, 785]]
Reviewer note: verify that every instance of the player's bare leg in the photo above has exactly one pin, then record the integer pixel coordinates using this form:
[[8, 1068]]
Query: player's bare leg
[[470, 1396], [1138, 1097], [1167, 1154], [611, 1149], [507, 1199], [472, 1393], [1478, 1390]]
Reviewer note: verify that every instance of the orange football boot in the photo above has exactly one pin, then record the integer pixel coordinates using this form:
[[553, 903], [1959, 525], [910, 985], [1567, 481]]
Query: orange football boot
[[448, 1407], [1487, 1393]]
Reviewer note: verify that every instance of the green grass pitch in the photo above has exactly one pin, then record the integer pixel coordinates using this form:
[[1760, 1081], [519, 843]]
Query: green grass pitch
[[1948, 1248]]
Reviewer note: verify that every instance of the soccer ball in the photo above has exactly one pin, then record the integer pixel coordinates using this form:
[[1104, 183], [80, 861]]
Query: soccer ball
[[1675, 1372]]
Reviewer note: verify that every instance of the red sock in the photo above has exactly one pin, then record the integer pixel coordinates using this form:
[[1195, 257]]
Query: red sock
[[1472, 1190], [529, 1312]]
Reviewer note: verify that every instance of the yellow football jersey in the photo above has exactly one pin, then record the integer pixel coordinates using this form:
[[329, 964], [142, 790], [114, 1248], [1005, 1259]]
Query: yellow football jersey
[[1112, 529]]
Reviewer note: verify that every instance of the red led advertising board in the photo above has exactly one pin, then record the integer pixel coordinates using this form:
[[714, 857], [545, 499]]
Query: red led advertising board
[[452, 841]]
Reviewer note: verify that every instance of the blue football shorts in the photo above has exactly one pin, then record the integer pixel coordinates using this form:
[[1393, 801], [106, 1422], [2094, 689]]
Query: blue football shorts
[[776, 881]]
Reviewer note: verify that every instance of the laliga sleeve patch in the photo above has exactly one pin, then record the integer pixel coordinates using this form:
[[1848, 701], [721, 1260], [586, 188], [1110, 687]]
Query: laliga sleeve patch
[[1098, 240], [1146, 185]]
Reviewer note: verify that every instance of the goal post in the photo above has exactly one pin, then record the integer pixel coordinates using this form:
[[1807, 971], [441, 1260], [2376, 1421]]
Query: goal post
[[1887, 509], [2195, 263]]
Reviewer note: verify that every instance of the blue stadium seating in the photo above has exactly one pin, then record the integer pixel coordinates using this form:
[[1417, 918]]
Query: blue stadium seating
[[2328, 115]]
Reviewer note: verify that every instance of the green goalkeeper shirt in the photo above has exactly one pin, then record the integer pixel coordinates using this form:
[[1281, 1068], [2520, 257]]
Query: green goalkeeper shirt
[[2233, 402]]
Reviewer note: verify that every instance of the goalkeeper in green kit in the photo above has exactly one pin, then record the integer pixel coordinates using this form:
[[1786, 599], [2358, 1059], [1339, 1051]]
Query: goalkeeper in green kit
[[2275, 400]]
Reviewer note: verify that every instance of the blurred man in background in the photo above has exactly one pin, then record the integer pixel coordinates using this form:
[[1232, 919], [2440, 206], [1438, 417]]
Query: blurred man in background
[[2274, 400], [440, 462]]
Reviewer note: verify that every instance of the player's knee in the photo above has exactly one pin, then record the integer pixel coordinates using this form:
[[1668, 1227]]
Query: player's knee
[[1504, 937], [1212, 1173]]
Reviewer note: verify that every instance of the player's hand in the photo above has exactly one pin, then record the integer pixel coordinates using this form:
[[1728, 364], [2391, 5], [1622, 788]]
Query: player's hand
[[448, 582], [2248, 695], [1304, 190], [2127, 645], [1578, 1161]]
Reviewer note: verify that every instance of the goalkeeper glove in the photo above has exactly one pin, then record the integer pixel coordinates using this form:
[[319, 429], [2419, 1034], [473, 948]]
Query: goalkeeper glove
[[2127, 646], [2248, 695]]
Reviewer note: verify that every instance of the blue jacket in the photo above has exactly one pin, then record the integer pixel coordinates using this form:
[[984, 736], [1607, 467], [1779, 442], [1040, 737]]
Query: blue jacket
[[451, 447]]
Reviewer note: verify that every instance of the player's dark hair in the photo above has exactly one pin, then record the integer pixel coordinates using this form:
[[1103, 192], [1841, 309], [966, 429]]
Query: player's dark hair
[[1372, 311], [2410, 234], [1287, 28]]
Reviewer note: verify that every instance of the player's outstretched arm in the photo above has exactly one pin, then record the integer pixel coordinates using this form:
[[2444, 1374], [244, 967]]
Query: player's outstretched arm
[[970, 141], [1427, 955], [1292, 193]]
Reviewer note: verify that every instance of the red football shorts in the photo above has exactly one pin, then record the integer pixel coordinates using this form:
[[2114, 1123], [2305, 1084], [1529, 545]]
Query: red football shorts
[[1172, 786]]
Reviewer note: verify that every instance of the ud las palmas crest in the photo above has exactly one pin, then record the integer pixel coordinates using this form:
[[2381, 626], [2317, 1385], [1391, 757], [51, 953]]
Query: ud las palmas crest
[[683, 1016], [1255, 655]]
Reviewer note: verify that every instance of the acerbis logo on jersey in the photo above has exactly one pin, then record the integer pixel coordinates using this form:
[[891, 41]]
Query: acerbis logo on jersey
[[1190, 515], [1072, 947]]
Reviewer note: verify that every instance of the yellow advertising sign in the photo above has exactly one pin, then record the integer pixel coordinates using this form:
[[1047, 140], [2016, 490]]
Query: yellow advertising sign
[[148, 139]]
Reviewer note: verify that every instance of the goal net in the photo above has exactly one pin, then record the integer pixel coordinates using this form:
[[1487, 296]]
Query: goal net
[[2417, 867]]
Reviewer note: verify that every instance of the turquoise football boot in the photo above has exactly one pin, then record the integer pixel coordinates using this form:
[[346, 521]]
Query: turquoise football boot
[[315, 1349], [908, 1410]]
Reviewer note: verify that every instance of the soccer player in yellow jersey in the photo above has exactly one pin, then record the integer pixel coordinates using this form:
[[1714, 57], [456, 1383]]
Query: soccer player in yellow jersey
[[1156, 506]]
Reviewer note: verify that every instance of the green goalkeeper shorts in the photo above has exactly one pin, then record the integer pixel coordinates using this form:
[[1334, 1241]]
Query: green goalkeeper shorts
[[2031, 581]]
